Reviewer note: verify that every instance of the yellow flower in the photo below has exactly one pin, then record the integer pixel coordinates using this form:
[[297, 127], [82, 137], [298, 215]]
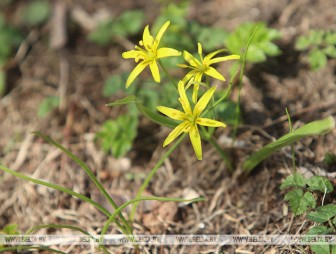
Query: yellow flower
[[148, 54], [202, 67], [191, 119]]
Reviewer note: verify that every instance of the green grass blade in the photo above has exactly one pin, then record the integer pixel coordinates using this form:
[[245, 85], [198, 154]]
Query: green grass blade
[[240, 84], [150, 114], [155, 117], [128, 99], [50, 250], [34, 229], [90, 174], [152, 173], [56, 187], [136, 200], [313, 128]]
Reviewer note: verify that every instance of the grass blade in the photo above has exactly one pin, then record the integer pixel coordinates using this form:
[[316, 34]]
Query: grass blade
[[136, 200], [56, 187], [90, 174], [313, 128]]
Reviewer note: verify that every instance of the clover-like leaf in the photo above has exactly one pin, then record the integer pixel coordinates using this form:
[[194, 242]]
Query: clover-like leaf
[[295, 180], [322, 213], [299, 201], [261, 45], [320, 183]]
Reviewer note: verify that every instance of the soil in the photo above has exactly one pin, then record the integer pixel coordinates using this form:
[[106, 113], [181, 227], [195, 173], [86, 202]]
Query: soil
[[76, 69]]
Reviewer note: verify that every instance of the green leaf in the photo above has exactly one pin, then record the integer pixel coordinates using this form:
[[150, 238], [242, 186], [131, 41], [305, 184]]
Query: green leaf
[[320, 183], [102, 34], [317, 59], [155, 117], [261, 45], [330, 51], [113, 84], [255, 54], [318, 230], [36, 12], [10, 229], [322, 213], [151, 115], [47, 105], [295, 180], [117, 136], [313, 128], [9, 38], [211, 38], [330, 38], [226, 111], [129, 23], [300, 202], [302, 43], [128, 99], [321, 248]]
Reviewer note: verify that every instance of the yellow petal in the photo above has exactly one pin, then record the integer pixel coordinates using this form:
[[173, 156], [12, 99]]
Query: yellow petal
[[208, 57], [214, 73], [183, 65], [189, 77], [196, 141], [137, 70], [198, 76], [161, 32], [210, 122], [147, 39], [195, 93], [224, 58], [172, 113], [155, 71], [182, 127], [130, 54], [203, 101], [183, 98], [166, 52], [191, 59], [200, 51]]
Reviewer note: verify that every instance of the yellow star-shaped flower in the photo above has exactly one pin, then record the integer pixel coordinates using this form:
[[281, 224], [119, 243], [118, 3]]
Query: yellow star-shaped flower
[[147, 53], [202, 66], [191, 119]]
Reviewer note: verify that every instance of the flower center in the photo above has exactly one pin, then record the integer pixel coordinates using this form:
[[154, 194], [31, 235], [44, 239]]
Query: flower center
[[203, 67], [192, 119]]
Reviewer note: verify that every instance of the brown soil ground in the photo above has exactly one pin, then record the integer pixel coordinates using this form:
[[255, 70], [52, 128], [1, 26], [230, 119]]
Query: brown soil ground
[[235, 204]]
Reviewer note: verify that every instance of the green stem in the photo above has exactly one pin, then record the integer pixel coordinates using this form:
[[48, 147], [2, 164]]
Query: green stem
[[224, 96], [167, 74], [292, 145], [152, 173], [241, 84], [88, 171]]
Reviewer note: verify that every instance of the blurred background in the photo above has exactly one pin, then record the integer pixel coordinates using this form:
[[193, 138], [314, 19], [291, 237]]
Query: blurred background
[[60, 64]]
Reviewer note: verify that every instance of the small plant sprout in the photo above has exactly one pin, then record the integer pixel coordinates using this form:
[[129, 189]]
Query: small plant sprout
[[191, 119], [148, 53]]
